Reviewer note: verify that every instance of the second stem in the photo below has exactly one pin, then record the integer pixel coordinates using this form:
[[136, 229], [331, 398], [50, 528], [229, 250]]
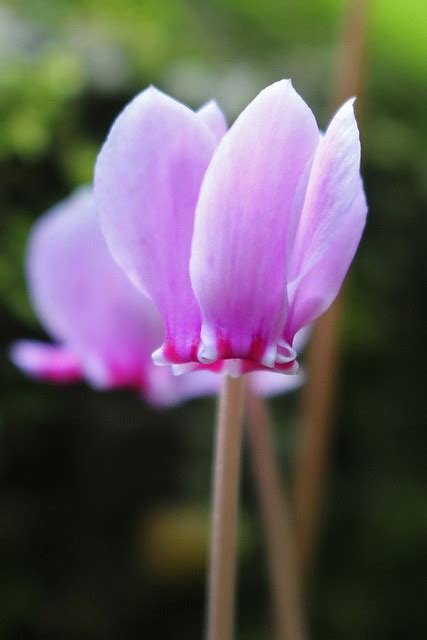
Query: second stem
[[277, 521]]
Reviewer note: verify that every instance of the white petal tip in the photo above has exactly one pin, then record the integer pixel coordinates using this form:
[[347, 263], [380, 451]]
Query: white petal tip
[[158, 358], [180, 369], [285, 353], [293, 370], [269, 357], [206, 354], [233, 368]]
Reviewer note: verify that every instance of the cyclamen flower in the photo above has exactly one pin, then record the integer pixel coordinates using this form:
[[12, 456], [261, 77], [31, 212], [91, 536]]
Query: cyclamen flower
[[241, 238], [104, 329]]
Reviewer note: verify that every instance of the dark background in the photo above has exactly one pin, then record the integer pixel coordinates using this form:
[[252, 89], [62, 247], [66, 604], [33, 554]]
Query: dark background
[[103, 502]]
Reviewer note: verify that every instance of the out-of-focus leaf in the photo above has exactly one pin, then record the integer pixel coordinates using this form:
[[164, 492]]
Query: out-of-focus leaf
[[12, 280]]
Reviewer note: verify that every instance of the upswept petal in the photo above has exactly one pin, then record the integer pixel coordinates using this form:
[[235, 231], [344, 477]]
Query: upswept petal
[[330, 225], [333, 185], [85, 300], [147, 181], [311, 296], [54, 363], [238, 261], [212, 115]]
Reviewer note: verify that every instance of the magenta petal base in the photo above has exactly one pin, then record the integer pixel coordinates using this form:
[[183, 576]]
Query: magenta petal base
[[219, 355], [52, 363]]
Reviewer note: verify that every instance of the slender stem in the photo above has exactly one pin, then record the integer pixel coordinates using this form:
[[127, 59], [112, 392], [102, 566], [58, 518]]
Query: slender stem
[[314, 435], [277, 522], [352, 69], [222, 577], [319, 394]]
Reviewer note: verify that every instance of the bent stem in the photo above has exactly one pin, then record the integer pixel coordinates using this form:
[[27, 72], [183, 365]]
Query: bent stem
[[314, 435], [277, 522], [222, 575], [319, 394]]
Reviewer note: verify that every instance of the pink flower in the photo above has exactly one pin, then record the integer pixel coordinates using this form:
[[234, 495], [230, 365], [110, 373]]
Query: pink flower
[[241, 238], [104, 329]]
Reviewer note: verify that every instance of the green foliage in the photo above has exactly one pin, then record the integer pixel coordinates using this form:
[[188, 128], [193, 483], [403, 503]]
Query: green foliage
[[12, 285], [35, 96]]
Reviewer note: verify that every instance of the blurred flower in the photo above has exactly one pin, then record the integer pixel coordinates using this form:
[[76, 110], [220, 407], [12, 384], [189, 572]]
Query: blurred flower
[[239, 244], [104, 329]]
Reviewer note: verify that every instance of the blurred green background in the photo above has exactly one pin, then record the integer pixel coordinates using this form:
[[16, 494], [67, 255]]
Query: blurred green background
[[103, 502]]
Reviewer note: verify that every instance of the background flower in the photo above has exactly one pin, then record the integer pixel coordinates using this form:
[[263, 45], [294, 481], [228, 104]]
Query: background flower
[[104, 329]]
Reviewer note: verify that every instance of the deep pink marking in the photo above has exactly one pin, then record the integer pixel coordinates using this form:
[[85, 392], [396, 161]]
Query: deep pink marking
[[126, 378], [282, 367], [170, 352], [225, 351], [250, 361], [216, 367], [257, 348], [247, 366], [194, 350], [59, 375]]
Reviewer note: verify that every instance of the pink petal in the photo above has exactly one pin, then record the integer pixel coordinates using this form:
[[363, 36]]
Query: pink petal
[[330, 224], [236, 367], [266, 383], [85, 300], [331, 189], [54, 363], [147, 182], [213, 117], [238, 262], [167, 390], [321, 284]]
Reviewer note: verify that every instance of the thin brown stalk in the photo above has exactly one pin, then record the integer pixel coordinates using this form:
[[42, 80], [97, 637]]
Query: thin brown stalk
[[277, 523], [319, 394], [314, 437], [222, 576]]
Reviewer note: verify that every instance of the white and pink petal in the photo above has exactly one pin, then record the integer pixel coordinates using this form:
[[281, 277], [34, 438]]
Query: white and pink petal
[[147, 182], [212, 115], [85, 301], [238, 261], [330, 224], [49, 362]]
